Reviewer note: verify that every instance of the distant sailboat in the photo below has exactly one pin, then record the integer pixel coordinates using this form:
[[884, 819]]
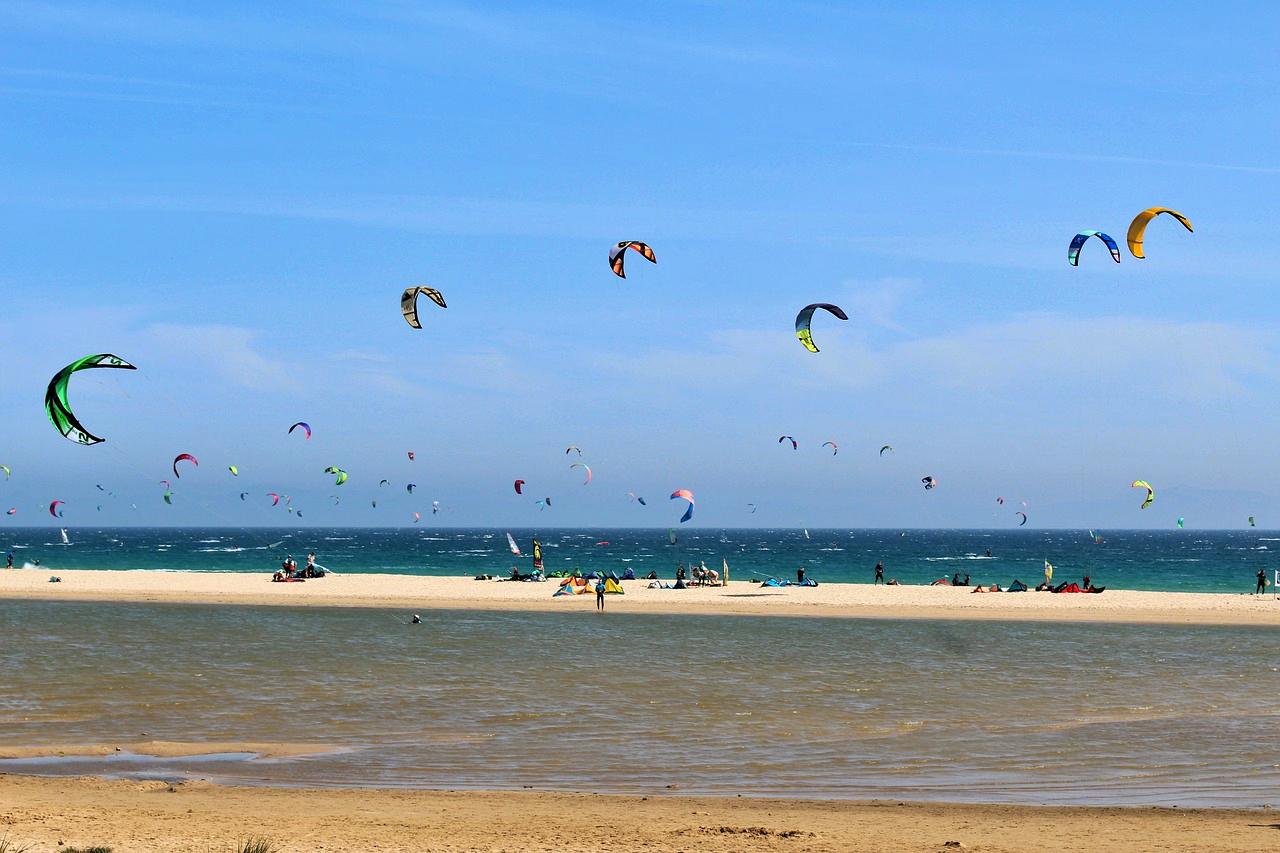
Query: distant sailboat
[[65, 540], [806, 533]]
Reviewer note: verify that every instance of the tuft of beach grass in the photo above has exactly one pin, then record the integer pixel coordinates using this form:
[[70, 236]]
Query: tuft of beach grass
[[253, 845]]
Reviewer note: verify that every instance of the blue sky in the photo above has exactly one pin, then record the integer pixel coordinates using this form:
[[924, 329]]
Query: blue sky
[[233, 196]]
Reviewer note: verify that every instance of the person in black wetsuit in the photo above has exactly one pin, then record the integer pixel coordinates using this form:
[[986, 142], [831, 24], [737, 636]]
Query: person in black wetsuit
[[1262, 582], [800, 575], [879, 572]]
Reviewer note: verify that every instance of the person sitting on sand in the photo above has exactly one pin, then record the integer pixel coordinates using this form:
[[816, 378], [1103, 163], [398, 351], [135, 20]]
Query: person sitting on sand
[[940, 582], [892, 582], [710, 576]]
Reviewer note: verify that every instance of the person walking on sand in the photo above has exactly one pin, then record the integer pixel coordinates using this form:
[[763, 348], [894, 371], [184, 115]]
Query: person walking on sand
[[879, 572], [1262, 582], [600, 593]]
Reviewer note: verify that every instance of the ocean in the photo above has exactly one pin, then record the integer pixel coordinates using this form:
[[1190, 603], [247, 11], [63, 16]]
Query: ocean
[[1188, 561], [652, 704]]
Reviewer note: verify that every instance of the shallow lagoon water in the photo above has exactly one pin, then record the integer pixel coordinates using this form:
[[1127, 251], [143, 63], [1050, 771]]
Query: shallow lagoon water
[[777, 706]]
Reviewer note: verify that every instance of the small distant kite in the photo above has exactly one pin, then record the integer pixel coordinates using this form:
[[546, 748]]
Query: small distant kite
[[1251, 522], [409, 303], [411, 455], [235, 472], [684, 494], [340, 475], [55, 398], [1024, 519], [417, 516], [519, 484], [1151, 493], [572, 448], [410, 487], [1181, 522], [618, 254], [752, 507], [1138, 227], [1078, 241], [929, 483], [633, 496], [305, 428], [244, 496], [543, 504], [887, 447], [584, 466], [794, 444], [53, 509], [435, 507], [1000, 501], [13, 510], [275, 498], [834, 448], [805, 318], [168, 498], [7, 472], [183, 457]]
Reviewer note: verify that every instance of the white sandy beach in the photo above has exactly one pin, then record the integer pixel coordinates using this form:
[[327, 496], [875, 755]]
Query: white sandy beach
[[739, 597]]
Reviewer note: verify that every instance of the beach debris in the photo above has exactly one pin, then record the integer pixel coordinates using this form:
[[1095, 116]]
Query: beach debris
[[409, 303], [55, 399], [1073, 251], [1138, 227], [618, 254], [805, 318], [183, 457], [684, 494]]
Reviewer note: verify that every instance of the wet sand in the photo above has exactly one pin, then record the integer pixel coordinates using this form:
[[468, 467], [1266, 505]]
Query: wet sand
[[411, 592], [197, 816]]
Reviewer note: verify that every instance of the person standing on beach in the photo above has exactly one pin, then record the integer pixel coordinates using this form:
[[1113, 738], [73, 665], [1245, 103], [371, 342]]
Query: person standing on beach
[[600, 593], [8, 561], [1262, 582], [879, 572]]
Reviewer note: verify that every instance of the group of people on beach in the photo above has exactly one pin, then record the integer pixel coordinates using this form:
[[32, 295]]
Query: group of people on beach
[[289, 571]]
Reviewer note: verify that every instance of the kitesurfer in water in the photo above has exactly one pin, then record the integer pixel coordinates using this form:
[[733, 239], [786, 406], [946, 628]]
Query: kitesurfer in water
[[879, 572], [416, 620], [1262, 581]]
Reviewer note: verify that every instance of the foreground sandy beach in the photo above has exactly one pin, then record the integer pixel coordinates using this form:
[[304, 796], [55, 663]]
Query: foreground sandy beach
[[740, 597], [197, 816]]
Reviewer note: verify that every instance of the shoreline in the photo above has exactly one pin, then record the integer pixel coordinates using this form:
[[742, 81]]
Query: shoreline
[[196, 815], [838, 600]]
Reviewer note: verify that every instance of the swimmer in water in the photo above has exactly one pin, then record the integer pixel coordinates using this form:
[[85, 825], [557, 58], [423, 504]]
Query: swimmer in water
[[416, 620]]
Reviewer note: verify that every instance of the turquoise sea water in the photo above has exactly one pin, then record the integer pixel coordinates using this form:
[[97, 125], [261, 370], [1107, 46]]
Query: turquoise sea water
[[794, 707], [1221, 561]]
